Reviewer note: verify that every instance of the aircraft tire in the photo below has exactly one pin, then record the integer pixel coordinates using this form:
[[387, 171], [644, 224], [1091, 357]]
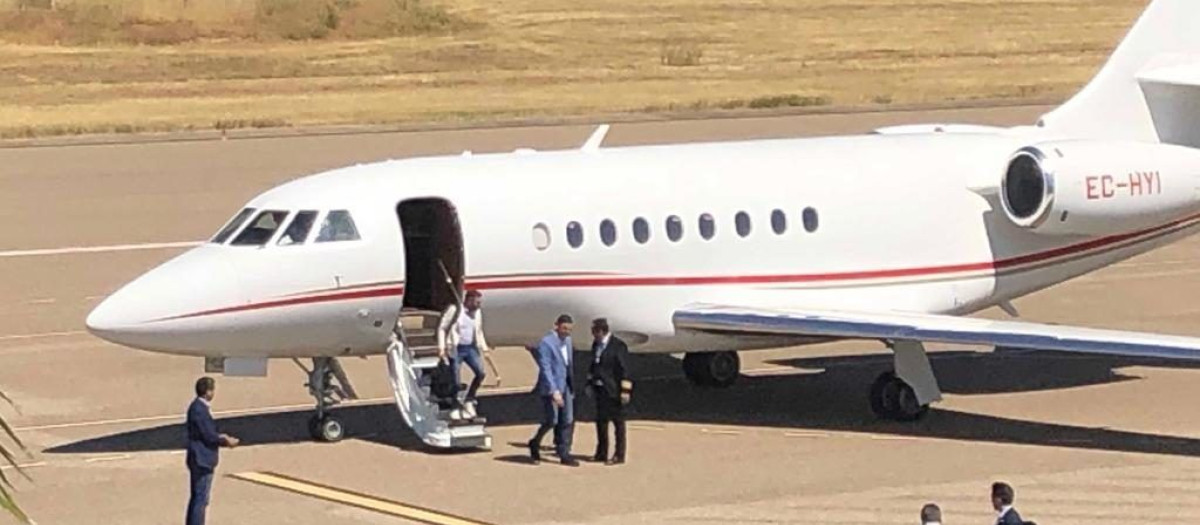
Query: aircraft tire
[[893, 399], [712, 369], [329, 429]]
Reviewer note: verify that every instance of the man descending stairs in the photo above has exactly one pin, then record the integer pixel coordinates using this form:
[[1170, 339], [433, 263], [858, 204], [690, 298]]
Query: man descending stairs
[[431, 407]]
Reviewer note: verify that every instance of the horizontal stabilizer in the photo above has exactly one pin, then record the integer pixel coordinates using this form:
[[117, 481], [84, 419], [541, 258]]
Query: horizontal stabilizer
[[1173, 97]]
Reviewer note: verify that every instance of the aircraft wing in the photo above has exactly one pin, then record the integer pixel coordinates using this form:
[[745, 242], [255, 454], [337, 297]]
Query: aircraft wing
[[932, 328]]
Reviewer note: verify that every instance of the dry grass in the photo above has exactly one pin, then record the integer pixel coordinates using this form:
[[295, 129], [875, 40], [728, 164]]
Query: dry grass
[[523, 58]]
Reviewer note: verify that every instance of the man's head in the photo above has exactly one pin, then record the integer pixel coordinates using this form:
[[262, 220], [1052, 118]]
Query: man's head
[[473, 300], [599, 328], [931, 513], [1002, 495], [562, 326], [206, 387]]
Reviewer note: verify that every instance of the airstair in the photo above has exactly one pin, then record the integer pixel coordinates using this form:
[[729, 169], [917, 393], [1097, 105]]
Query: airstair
[[412, 356]]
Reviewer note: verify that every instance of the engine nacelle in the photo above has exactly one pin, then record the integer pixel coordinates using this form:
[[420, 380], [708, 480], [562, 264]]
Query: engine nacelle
[[1099, 188]]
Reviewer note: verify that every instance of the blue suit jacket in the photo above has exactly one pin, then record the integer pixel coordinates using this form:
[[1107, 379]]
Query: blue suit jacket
[[203, 440], [554, 374]]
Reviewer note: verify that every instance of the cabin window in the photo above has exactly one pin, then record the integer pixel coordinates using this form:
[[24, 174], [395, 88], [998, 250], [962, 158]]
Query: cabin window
[[641, 230], [674, 228], [541, 236], [778, 222], [232, 226], [338, 226], [811, 222], [574, 234], [708, 226], [742, 222], [297, 231], [608, 232], [261, 228]]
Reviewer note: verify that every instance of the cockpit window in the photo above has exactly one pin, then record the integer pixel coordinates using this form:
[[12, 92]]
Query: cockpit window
[[233, 225], [338, 226], [297, 231], [260, 229]]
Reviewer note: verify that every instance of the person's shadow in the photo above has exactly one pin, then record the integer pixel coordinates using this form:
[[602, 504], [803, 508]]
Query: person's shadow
[[831, 397]]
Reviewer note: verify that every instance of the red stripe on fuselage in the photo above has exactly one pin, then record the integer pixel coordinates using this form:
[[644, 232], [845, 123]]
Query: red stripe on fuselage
[[557, 281]]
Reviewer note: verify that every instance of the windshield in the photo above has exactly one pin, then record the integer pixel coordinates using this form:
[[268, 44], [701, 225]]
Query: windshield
[[232, 226], [297, 231], [260, 229], [338, 226]]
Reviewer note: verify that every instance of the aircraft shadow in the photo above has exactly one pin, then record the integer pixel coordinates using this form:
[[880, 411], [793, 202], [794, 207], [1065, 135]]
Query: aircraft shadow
[[830, 400]]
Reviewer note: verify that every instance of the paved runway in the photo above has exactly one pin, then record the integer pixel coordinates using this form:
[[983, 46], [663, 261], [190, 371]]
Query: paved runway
[[1083, 440]]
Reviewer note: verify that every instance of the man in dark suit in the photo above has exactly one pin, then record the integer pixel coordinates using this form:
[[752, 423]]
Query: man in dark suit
[[1002, 501], [610, 387], [203, 441], [555, 387]]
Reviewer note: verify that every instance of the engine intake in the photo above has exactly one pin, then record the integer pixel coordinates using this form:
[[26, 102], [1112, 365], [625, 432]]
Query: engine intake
[[1099, 188]]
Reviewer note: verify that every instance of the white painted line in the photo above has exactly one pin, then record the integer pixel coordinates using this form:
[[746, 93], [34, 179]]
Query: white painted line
[[118, 457], [94, 297], [50, 300], [255, 410], [806, 434], [721, 432], [180, 417], [647, 427], [25, 465], [97, 249], [43, 335]]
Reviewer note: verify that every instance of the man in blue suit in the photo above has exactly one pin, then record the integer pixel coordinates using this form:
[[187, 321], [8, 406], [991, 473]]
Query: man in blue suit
[[556, 389], [203, 441]]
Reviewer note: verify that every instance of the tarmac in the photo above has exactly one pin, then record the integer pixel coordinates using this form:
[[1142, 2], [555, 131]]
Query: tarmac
[[1083, 440]]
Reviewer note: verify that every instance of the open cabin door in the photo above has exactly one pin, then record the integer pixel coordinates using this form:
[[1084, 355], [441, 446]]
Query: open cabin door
[[433, 248], [433, 282]]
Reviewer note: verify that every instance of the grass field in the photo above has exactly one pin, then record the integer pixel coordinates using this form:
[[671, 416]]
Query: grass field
[[469, 60]]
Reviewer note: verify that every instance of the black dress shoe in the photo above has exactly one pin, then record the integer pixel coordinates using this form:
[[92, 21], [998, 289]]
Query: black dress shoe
[[615, 461], [534, 455], [598, 458], [570, 462]]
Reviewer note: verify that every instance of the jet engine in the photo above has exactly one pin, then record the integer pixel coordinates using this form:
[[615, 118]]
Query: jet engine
[[1099, 188]]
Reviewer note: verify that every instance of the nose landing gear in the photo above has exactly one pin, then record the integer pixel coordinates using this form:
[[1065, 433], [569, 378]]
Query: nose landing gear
[[328, 384]]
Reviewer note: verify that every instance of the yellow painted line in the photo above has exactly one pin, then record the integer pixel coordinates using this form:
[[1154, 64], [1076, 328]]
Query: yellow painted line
[[355, 499]]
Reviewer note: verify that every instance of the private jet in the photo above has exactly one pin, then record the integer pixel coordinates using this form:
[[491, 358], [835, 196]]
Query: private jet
[[704, 249]]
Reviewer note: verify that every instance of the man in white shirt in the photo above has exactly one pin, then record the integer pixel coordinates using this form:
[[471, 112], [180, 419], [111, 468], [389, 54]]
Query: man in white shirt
[[461, 339], [1002, 502]]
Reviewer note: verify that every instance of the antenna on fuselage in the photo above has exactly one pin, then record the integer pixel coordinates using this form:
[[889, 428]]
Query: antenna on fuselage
[[594, 141]]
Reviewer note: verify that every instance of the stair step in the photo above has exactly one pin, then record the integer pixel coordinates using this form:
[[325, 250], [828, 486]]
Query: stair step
[[425, 363], [483, 441], [460, 423], [420, 352]]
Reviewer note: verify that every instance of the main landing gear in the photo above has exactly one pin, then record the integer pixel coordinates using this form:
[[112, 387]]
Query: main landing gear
[[328, 384], [906, 393], [712, 369]]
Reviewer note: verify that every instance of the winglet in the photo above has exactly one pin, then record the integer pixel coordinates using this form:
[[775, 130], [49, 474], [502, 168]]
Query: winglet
[[593, 142]]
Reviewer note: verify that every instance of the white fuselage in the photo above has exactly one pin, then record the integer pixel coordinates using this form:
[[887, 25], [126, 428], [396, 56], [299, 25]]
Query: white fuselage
[[894, 226]]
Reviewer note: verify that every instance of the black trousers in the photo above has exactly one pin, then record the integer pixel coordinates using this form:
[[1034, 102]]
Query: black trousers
[[609, 410]]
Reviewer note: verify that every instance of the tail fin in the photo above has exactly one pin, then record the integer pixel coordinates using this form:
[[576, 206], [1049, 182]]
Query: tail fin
[[1150, 88]]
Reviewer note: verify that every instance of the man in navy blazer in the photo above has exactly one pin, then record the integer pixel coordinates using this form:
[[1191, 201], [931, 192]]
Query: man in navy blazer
[[556, 389], [203, 441]]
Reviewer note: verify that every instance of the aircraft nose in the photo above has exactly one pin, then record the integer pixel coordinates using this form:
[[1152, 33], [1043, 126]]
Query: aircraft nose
[[150, 312]]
